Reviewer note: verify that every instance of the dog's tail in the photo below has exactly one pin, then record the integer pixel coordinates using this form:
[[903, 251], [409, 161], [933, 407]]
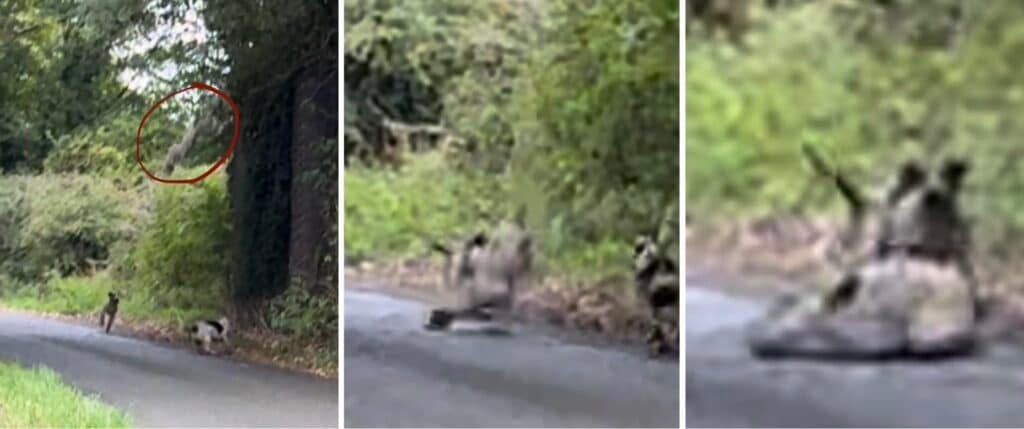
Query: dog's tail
[[848, 190], [438, 247]]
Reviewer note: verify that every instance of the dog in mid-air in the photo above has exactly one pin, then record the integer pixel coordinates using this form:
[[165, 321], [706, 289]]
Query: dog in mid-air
[[109, 311], [656, 278], [487, 270], [206, 332]]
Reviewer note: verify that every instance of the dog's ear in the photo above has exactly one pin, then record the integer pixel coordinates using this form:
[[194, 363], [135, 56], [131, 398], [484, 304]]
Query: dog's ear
[[910, 176], [953, 172], [479, 240], [644, 243], [639, 243]]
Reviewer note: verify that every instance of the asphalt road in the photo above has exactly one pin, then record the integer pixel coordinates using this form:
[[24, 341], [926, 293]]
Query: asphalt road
[[399, 375], [726, 387], [161, 386]]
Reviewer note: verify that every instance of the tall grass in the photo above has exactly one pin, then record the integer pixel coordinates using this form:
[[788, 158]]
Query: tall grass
[[37, 398]]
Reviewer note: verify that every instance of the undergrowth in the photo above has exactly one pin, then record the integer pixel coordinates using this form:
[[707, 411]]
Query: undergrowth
[[396, 214]]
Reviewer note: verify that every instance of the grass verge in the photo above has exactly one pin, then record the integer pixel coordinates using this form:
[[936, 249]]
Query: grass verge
[[37, 397]]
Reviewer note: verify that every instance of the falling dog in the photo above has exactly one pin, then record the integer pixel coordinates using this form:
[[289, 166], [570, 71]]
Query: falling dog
[[487, 271]]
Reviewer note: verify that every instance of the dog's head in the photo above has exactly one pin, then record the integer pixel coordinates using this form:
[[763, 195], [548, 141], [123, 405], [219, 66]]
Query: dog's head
[[113, 298], [922, 208], [645, 253], [224, 322]]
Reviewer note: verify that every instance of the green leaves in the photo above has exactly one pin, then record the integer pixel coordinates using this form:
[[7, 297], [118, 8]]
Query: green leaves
[[868, 88], [602, 95], [184, 243], [58, 222]]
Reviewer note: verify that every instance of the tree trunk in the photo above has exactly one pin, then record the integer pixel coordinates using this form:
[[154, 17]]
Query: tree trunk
[[259, 182], [315, 120]]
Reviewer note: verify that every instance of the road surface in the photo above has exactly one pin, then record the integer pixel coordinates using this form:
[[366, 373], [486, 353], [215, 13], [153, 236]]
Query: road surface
[[399, 375], [725, 387], [161, 386]]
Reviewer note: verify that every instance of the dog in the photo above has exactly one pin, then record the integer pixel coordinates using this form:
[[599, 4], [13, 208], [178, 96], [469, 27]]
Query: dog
[[913, 295], [109, 311], [487, 271], [205, 332], [656, 282]]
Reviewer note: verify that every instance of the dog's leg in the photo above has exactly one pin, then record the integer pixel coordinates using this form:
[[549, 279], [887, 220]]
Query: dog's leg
[[655, 341]]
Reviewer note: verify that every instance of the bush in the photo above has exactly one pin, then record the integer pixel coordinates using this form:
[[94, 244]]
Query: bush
[[109, 149], [395, 214], [71, 219], [183, 244], [869, 95], [13, 215], [299, 314]]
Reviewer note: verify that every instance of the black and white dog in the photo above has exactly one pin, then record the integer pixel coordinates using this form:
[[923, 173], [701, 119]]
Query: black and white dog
[[205, 332], [656, 278]]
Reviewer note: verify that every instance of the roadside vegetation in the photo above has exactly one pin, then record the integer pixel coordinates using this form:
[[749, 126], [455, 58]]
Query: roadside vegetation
[[871, 84], [78, 218], [37, 398], [561, 114]]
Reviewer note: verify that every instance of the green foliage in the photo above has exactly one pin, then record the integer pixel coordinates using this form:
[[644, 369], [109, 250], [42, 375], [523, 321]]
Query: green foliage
[[37, 397], [70, 220], [450, 60], [109, 149], [56, 72], [871, 92], [395, 214], [13, 213], [184, 243], [65, 295], [309, 321], [597, 118], [299, 314]]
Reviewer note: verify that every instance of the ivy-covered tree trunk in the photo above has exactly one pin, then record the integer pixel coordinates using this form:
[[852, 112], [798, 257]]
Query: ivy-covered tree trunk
[[260, 192], [315, 125]]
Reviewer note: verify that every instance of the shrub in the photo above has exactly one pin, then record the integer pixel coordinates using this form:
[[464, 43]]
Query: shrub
[[71, 219], [299, 314], [13, 215], [184, 242], [869, 96], [394, 214]]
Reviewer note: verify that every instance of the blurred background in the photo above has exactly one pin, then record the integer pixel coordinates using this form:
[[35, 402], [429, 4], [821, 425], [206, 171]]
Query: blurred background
[[869, 83]]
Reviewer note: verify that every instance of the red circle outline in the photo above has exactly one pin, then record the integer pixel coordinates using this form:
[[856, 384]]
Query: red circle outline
[[223, 158]]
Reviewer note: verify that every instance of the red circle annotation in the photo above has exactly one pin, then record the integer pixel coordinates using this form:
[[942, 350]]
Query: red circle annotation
[[223, 159]]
